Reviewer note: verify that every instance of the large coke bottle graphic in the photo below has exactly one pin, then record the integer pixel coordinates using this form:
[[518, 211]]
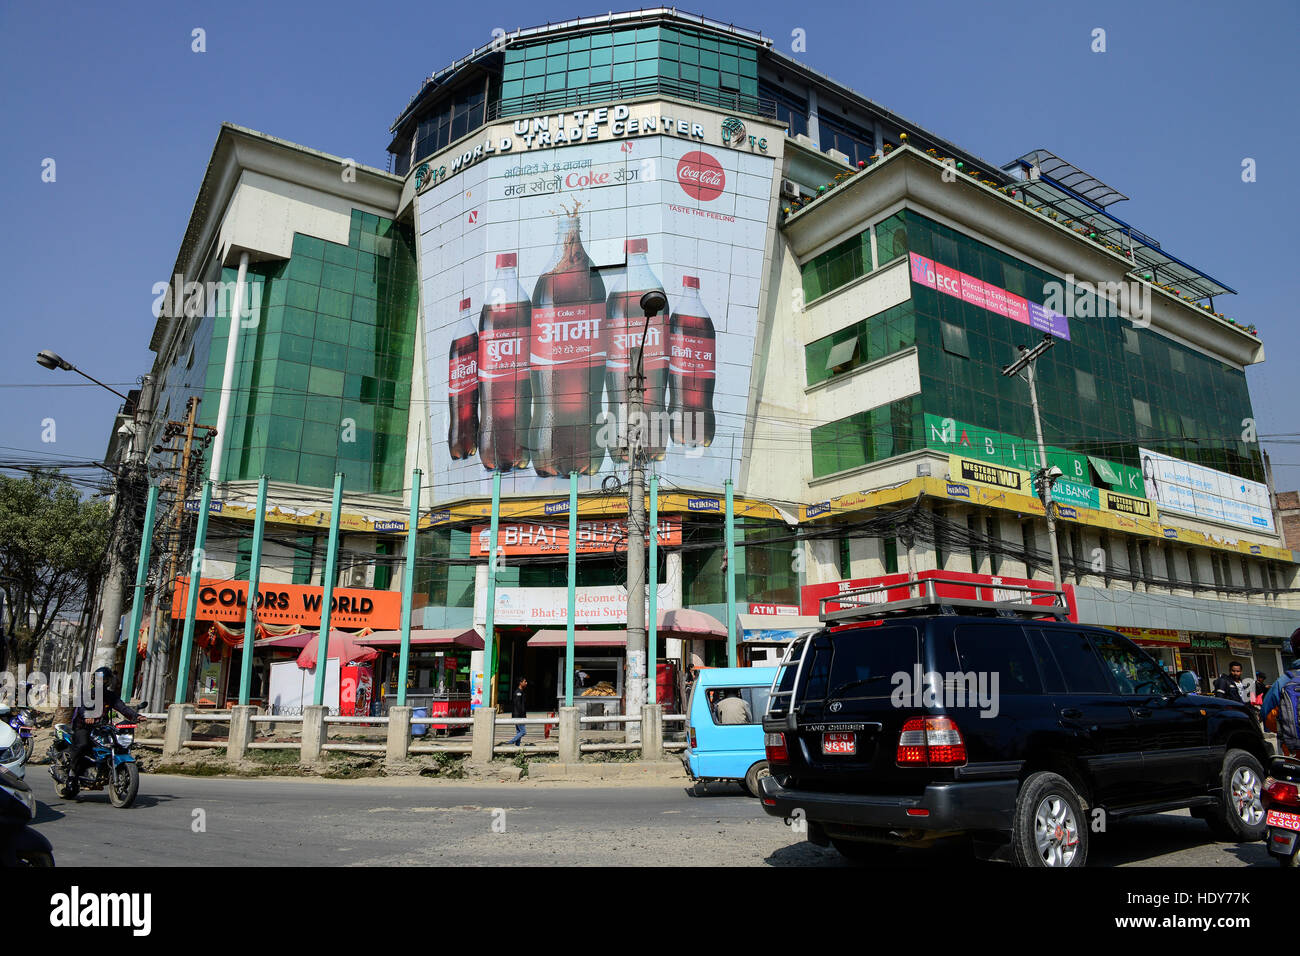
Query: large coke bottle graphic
[[505, 391], [462, 386], [568, 357], [692, 367], [625, 323]]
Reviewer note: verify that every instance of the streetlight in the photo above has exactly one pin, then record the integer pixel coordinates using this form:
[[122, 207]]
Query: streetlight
[[1045, 477], [652, 303], [53, 360]]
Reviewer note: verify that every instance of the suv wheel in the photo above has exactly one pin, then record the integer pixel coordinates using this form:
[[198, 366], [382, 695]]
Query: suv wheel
[[1049, 827], [1239, 816], [860, 852]]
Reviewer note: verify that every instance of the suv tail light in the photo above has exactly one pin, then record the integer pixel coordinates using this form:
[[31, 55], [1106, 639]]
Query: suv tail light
[[930, 742], [774, 744], [1281, 791], [692, 732]]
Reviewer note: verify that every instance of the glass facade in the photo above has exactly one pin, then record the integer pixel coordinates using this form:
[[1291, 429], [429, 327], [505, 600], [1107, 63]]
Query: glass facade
[[453, 118], [323, 377], [695, 65], [1108, 390]]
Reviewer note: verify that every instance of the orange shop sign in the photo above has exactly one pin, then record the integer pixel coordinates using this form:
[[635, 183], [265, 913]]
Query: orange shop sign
[[291, 604], [595, 536], [1156, 636]]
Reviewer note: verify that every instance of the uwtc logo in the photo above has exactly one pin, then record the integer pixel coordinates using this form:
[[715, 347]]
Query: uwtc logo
[[733, 132], [701, 176]]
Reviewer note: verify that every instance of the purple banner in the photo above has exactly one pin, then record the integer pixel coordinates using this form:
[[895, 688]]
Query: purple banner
[[949, 281]]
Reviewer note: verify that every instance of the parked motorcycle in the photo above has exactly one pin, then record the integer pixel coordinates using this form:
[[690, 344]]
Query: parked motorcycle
[[112, 765], [1281, 800], [23, 722], [20, 845]]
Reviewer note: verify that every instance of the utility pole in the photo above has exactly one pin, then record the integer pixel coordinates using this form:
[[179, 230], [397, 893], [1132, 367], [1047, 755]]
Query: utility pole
[[652, 303], [1043, 477], [161, 643], [131, 465]]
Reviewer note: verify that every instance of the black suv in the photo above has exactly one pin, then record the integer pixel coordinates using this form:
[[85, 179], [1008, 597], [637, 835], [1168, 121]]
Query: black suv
[[903, 726]]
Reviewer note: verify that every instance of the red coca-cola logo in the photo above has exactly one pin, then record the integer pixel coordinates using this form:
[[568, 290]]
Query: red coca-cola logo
[[701, 176]]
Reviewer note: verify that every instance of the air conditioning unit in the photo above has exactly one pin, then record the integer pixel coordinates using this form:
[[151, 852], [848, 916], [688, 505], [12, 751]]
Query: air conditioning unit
[[839, 157], [358, 575], [790, 190]]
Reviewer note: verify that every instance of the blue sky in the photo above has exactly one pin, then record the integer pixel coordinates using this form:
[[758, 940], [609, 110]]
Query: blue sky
[[115, 95]]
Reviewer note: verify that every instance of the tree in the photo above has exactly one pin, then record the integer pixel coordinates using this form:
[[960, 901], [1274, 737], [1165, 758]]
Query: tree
[[52, 546]]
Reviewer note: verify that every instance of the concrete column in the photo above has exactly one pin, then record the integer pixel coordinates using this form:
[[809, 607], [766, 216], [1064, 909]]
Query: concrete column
[[178, 730], [241, 731], [652, 732], [485, 730], [313, 732], [399, 734], [569, 734]]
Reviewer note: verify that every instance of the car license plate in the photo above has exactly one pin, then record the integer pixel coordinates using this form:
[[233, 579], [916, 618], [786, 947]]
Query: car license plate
[[1287, 821], [839, 743]]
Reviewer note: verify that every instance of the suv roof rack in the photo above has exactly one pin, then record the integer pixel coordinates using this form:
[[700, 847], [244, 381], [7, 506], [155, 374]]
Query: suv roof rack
[[923, 597]]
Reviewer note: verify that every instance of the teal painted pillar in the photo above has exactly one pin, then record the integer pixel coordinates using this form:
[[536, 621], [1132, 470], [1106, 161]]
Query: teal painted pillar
[[137, 599], [331, 566], [192, 596], [571, 635], [489, 671], [652, 619], [731, 577], [254, 578], [408, 588]]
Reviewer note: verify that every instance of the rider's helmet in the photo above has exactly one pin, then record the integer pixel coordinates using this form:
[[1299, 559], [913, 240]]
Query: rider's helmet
[[109, 679]]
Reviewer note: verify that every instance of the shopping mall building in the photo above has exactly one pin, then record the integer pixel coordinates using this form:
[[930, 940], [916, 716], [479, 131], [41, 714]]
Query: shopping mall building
[[845, 288]]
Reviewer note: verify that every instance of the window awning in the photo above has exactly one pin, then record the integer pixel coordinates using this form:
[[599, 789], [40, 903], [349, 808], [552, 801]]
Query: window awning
[[421, 637], [1104, 469], [842, 354], [558, 637]]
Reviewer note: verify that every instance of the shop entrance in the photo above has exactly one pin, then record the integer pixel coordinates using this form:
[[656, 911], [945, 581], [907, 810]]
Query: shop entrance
[[1203, 665]]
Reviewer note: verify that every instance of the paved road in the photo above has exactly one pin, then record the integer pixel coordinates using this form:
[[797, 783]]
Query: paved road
[[282, 821]]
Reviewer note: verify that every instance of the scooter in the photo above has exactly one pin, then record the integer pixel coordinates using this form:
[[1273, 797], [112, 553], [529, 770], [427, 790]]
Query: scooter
[[20, 845], [112, 766], [1281, 800], [23, 723]]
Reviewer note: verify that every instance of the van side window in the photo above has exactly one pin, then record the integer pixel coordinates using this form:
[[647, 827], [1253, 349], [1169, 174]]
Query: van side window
[[999, 649], [730, 706], [756, 697], [1078, 661]]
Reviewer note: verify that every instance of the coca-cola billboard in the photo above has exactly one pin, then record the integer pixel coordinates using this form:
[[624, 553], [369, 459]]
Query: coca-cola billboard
[[555, 249]]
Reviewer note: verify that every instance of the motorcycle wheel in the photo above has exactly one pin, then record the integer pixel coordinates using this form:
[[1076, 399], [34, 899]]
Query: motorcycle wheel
[[65, 789], [28, 746], [124, 785]]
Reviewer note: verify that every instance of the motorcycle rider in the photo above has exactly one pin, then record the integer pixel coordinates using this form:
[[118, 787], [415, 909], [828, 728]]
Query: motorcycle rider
[[83, 720], [1274, 696]]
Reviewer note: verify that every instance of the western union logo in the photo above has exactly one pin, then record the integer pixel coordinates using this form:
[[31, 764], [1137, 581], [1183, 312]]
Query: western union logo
[[1138, 507], [987, 474]]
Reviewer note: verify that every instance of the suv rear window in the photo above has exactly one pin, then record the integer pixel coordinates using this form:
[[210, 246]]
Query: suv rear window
[[1078, 661], [999, 649], [865, 662]]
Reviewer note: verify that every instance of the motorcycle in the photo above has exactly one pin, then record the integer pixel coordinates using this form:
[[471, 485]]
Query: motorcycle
[[23, 722], [112, 766], [1281, 800], [20, 845]]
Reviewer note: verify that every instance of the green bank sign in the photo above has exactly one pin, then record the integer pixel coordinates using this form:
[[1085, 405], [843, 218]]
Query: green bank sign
[[1081, 475]]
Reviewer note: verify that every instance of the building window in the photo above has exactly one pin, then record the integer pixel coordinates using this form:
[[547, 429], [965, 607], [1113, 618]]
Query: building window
[[837, 266], [303, 558], [890, 549], [995, 543], [954, 340], [1192, 574], [1027, 541], [854, 141], [973, 531], [866, 437], [846, 561], [891, 238], [243, 560], [791, 110], [1144, 552], [861, 343]]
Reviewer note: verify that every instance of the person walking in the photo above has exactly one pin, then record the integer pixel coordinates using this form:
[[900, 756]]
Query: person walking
[[519, 710], [1234, 685]]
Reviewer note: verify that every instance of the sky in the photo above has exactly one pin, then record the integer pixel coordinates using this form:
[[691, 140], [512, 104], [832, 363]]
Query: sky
[[116, 96]]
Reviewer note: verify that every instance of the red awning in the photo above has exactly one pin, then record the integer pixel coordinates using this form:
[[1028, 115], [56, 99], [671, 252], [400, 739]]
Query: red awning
[[290, 642], [420, 637], [558, 637], [692, 625]]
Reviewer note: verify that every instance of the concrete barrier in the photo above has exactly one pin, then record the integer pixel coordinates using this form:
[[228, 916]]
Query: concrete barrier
[[399, 734], [313, 732], [241, 731], [179, 729]]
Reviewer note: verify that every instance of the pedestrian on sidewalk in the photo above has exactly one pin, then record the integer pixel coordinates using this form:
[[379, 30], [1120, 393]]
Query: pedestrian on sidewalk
[[519, 709]]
